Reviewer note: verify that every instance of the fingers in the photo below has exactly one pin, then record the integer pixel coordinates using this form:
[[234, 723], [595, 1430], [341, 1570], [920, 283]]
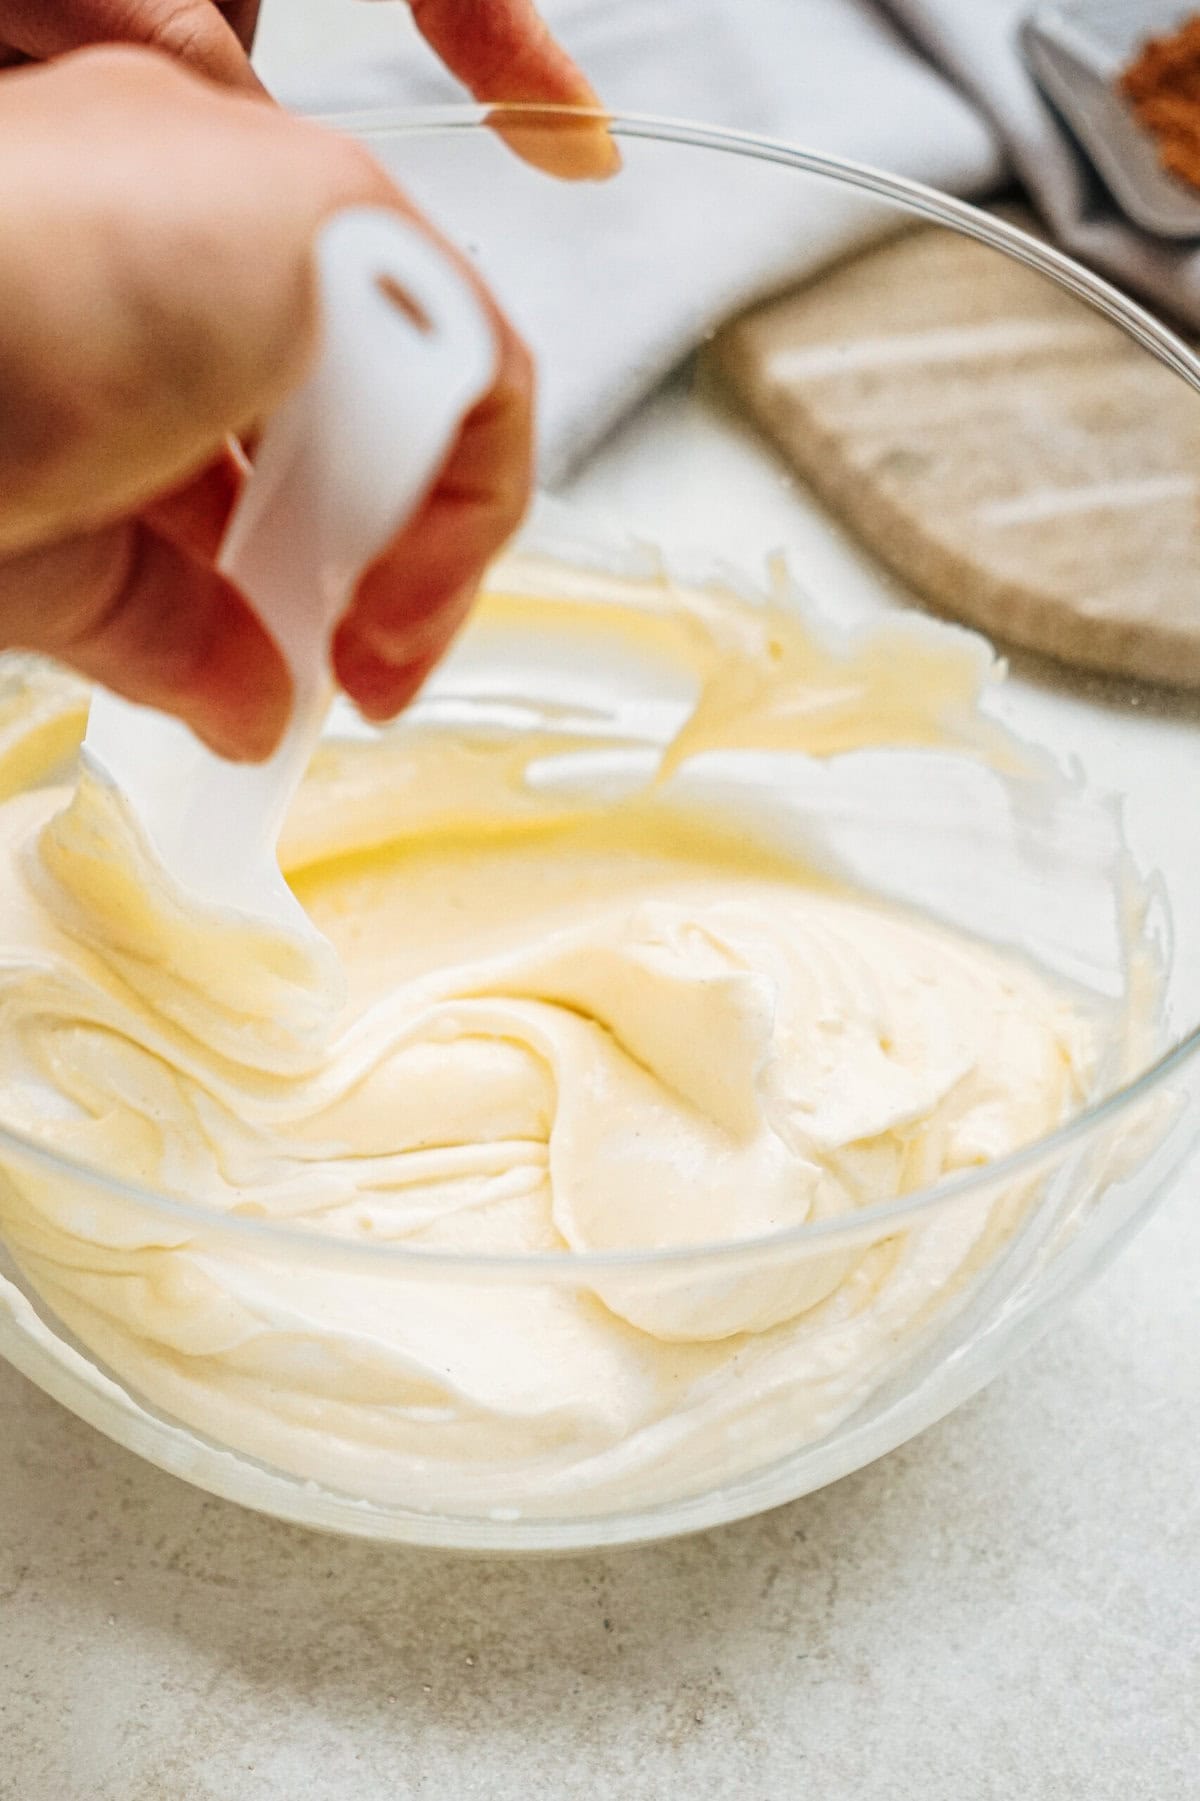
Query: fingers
[[156, 267], [129, 609], [157, 305], [243, 16], [194, 517], [412, 602], [158, 298], [503, 51], [211, 39]]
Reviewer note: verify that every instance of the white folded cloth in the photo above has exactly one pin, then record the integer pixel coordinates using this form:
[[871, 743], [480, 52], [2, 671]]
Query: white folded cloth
[[612, 283]]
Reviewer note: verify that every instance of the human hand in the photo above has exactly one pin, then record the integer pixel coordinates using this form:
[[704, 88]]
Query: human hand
[[499, 49], [213, 37], [159, 302]]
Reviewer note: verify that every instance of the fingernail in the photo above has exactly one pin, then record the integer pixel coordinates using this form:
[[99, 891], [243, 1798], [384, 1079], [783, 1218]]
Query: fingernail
[[378, 688], [422, 632], [572, 147]]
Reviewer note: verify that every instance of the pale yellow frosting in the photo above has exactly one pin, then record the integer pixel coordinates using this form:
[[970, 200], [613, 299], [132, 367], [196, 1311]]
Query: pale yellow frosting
[[568, 1008]]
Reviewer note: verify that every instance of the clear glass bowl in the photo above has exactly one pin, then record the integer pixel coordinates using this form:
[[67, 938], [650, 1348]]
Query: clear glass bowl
[[721, 219]]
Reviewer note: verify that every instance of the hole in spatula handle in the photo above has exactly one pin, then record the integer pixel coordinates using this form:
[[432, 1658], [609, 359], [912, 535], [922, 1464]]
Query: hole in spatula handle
[[391, 290]]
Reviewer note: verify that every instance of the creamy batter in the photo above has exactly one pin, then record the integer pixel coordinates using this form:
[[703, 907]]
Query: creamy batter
[[566, 1011]]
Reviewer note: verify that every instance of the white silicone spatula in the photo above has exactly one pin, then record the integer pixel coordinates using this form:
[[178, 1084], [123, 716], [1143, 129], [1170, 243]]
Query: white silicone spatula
[[406, 351]]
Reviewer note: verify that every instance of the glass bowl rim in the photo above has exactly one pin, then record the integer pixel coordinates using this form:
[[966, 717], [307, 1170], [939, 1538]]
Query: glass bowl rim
[[882, 1217]]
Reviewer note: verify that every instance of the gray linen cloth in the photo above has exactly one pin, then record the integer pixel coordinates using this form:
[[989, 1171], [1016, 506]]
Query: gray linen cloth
[[932, 89]]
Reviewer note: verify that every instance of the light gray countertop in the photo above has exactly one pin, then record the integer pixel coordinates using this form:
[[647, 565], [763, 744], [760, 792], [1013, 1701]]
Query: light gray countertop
[[1007, 1607]]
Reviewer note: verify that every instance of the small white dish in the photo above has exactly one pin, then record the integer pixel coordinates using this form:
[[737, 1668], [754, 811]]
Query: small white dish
[[1076, 50]]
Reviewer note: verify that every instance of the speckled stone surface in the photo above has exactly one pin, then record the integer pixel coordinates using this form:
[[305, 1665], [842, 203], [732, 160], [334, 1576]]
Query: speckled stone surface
[[1007, 1608]]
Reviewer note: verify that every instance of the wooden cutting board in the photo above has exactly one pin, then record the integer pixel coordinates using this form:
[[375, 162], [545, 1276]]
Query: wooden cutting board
[[1013, 456]]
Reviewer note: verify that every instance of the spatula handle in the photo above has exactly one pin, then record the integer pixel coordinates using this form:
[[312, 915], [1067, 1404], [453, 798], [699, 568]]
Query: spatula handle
[[406, 350]]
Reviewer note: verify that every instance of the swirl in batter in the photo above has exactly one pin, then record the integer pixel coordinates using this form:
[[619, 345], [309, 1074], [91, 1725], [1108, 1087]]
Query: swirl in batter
[[570, 1010]]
